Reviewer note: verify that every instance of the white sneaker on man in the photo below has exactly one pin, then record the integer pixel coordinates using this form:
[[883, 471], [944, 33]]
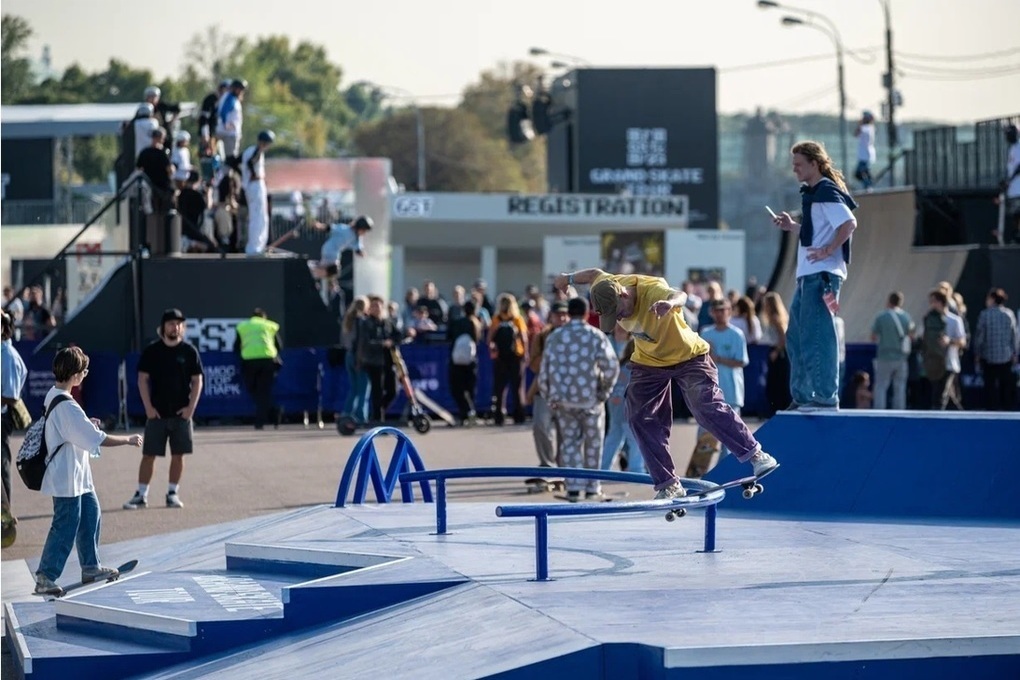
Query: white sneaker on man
[[674, 490], [763, 463]]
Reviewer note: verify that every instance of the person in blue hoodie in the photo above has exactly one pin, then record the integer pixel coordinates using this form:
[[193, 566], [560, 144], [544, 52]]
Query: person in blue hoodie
[[823, 255]]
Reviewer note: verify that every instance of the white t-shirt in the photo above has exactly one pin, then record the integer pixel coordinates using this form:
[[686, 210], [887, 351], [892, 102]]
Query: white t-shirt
[[866, 143], [826, 219], [260, 165], [67, 427], [181, 158], [955, 331], [144, 127], [1012, 160]]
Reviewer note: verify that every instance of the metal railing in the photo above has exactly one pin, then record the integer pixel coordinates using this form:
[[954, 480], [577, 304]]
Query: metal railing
[[940, 160], [24, 212]]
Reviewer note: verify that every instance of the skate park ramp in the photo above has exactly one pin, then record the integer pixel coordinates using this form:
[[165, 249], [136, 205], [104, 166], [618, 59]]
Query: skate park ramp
[[883, 260], [890, 465], [368, 589], [371, 591]]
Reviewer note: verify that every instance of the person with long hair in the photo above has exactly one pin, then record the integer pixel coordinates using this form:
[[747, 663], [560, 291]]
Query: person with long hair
[[508, 349], [356, 402], [823, 253], [746, 320], [774, 322]]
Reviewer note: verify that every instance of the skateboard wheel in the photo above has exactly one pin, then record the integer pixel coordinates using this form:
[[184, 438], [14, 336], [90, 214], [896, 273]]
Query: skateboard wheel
[[749, 493], [422, 424], [670, 517], [758, 488], [680, 513]]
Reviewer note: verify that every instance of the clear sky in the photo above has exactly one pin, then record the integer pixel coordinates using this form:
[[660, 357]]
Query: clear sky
[[433, 48]]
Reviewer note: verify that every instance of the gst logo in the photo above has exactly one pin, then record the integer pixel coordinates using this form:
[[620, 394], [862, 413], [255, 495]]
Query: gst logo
[[412, 206], [212, 334]]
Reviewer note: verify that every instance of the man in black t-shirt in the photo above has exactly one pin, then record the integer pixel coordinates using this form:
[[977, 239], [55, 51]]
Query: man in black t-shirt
[[170, 384], [155, 163], [208, 117]]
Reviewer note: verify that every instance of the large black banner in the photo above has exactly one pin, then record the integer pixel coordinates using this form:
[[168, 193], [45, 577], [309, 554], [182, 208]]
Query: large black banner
[[640, 132]]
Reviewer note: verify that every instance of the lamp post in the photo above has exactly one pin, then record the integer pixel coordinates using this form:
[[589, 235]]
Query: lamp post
[[888, 80], [834, 35], [829, 28], [574, 61]]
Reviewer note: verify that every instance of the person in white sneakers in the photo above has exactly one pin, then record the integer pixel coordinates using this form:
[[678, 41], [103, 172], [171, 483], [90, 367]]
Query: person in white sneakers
[[170, 379], [71, 439], [666, 351]]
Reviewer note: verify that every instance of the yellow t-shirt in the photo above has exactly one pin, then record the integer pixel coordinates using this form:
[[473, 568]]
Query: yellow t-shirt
[[657, 342]]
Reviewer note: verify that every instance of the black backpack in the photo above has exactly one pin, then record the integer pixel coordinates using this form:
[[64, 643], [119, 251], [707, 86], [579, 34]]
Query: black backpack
[[33, 456], [505, 339]]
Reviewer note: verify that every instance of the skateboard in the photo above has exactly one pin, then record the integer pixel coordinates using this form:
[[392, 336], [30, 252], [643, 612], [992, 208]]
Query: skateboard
[[706, 448], [10, 529], [602, 498], [540, 485], [121, 570], [751, 486]]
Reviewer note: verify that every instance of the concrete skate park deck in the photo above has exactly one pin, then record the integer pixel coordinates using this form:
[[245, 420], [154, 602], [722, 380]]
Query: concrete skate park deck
[[630, 595]]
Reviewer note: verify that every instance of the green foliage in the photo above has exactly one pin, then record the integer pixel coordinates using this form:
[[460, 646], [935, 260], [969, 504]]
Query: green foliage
[[17, 69], [460, 155]]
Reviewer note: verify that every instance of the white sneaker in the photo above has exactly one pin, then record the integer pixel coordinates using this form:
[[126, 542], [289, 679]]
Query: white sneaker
[[91, 574], [174, 501], [763, 463], [674, 490], [45, 586], [137, 502]]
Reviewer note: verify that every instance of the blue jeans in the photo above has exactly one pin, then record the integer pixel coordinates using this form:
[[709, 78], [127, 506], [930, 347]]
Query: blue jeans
[[76, 522], [356, 403], [619, 434], [811, 342]]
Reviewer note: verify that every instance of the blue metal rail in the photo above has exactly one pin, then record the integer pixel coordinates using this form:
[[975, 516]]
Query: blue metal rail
[[542, 512], [440, 477]]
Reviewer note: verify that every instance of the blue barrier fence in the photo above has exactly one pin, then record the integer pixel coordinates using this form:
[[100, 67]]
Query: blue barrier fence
[[307, 382]]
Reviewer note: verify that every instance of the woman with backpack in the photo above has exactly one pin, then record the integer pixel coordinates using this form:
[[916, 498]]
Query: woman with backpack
[[72, 438], [508, 350], [463, 333]]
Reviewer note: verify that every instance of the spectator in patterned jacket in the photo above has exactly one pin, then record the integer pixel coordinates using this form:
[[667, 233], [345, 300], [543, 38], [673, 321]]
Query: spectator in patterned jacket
[[578, 372]]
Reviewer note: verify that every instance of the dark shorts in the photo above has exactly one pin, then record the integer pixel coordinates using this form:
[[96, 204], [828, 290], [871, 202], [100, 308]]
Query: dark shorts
[[331, 269], [159, 431]]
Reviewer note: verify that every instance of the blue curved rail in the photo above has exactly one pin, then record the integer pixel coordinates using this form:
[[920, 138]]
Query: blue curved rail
[[542, 513], [440, 477], [364, 462]]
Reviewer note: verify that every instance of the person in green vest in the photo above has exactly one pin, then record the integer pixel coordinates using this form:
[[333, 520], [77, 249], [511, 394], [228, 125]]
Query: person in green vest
[[258, 345]]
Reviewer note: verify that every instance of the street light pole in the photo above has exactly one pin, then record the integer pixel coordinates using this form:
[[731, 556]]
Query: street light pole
[[890, 85], [833, 33]]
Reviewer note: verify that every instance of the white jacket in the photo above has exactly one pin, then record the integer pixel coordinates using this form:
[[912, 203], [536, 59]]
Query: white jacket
[[67, 427]]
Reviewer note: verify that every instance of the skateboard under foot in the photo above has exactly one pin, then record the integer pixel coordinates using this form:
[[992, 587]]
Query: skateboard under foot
[[751, 487], [121, 570]]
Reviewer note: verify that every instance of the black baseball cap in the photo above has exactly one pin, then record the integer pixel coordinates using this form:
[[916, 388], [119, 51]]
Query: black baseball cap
[[172, 314]]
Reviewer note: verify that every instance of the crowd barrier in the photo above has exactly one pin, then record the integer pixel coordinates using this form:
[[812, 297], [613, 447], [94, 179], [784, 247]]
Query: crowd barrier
[[307, 382]]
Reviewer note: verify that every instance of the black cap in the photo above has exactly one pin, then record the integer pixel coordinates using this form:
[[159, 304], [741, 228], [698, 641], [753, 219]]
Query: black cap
[[240, 82], [559, 306], [362, 222], [577, 307], [172, 314]]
